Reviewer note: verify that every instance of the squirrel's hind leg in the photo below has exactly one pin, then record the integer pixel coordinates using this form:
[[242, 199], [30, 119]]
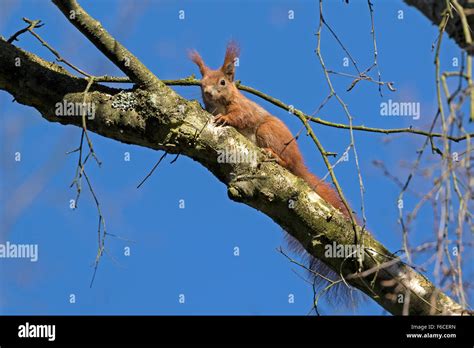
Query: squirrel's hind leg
[[275, 156], [273, 136]]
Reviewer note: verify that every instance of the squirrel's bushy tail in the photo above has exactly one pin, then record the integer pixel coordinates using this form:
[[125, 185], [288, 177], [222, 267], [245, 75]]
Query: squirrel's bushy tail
[[340, 293]]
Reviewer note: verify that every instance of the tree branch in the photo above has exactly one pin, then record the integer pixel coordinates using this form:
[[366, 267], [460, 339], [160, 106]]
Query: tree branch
[[111, 48], [160, 119], [459, 26], [191, 81]]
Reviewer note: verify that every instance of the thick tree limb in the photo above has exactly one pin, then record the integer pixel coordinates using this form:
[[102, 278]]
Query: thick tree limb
[[162, 120], [434, 9]]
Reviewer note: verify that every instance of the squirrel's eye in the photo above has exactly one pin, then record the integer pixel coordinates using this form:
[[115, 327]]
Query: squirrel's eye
[[222, 82]]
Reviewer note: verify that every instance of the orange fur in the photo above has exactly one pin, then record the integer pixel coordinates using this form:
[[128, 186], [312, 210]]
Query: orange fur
[[230, 107]]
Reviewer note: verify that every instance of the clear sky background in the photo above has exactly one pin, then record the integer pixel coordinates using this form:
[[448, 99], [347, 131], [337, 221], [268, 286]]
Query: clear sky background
[[190, 251]]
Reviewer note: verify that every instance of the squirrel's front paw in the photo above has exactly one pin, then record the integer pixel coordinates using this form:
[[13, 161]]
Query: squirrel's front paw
[[221, 120]]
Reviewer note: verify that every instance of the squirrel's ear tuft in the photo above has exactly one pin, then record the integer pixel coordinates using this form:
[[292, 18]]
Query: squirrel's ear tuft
[[232, 52], [196, 58]]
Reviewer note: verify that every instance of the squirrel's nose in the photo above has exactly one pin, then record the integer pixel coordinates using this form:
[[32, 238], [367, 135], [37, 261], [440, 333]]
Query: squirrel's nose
[[208, 91]]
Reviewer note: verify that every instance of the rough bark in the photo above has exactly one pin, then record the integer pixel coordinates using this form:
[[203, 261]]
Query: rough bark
[[434, 9], [160, 119]]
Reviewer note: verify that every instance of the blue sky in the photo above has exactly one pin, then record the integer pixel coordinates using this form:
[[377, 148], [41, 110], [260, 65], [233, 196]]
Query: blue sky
[[190, 251]]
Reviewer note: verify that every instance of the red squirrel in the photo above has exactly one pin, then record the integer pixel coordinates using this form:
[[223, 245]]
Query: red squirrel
[[231, 108]]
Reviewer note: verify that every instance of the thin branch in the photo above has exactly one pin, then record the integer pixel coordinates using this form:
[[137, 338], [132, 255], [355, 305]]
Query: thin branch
[[109, 46]]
